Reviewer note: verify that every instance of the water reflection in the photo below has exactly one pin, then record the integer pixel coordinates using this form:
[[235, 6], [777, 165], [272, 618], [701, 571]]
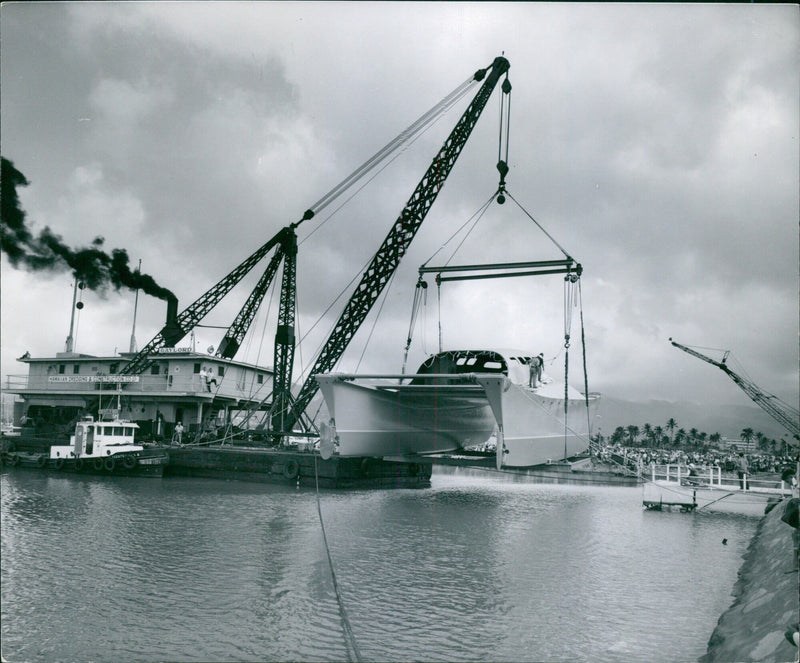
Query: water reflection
[[476, 568]]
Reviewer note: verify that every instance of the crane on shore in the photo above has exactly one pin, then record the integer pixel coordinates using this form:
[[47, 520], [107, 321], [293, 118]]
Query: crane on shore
[[783, 413]]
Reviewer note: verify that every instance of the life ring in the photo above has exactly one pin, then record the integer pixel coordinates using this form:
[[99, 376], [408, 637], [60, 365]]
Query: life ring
[[97, 463], [129, 462], [79, 464], [110, 464], [414, 469], [365, 466], [292, 469], [59, 464], [41, 461]]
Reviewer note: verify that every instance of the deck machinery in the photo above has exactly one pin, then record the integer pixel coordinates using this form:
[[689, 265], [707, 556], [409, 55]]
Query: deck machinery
[[287, 411]]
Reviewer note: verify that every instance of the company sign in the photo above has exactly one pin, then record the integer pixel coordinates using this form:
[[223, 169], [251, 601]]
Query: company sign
[[94, 378]]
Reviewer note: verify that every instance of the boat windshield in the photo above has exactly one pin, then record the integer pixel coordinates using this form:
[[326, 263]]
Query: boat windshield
[[456, 362]]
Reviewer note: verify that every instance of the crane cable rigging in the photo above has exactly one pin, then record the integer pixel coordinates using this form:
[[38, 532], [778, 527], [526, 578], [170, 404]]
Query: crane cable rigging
[[405, 138], [572, 288]]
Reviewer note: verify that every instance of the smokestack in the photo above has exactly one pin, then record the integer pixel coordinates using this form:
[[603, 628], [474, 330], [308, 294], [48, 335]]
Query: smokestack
[[172, 331], [133, 347]]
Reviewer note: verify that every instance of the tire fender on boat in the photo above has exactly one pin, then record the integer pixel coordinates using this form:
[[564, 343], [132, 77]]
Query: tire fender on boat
[[110, 464], [291, 470], [97, 463], [366, 465], [129, 462], [79, 464], [59, 463], [41, 461]]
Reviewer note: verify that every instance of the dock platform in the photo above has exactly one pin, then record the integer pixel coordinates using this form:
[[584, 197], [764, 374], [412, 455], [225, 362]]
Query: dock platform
[[294, 467], [685, 507]]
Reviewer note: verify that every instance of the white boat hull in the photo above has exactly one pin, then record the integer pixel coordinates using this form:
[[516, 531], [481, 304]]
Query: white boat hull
[[372, 421], [402, 420], [534, 431]]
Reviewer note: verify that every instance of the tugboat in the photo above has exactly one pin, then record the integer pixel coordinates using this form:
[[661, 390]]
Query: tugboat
[[98, 447]]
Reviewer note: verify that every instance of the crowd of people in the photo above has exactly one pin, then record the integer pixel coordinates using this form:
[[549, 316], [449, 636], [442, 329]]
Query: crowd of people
[[727, 460]]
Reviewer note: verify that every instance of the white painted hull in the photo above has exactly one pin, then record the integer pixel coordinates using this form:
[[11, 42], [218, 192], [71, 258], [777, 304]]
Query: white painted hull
[[370, 421], [533, 427], [401, 420]]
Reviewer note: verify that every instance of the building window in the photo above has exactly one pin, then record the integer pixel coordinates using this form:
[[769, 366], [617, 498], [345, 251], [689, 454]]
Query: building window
[[196, 368], [112, 369], [221, 371], [260, 379], [62, 369], [154, 369], [76, 369]]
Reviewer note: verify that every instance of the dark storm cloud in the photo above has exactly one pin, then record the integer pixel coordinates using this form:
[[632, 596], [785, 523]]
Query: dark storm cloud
[[163, 117], [201, 132]]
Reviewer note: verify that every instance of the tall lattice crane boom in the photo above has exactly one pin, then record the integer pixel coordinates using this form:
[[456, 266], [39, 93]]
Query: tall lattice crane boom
[[388, 256], [783, 413], [181, 324], [233, 338]]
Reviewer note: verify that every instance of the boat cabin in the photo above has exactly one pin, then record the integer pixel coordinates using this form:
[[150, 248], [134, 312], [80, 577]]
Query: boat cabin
[[98, 439], [514, 364]]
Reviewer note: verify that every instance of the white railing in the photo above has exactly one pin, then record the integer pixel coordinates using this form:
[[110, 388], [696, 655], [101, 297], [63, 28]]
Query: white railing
[[713, 477]]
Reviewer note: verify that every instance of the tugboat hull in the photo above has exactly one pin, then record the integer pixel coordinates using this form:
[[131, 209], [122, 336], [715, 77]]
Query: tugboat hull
[[140, 464]]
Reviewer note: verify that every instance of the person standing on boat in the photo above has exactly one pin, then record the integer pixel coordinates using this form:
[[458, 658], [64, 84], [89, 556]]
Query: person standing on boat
[[742, 469], [210, 378], [536, 364], [178, 433], [208, 375]]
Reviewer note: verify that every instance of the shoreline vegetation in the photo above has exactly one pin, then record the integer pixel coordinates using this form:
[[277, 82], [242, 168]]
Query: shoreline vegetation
[[671, 436], [634, 445]]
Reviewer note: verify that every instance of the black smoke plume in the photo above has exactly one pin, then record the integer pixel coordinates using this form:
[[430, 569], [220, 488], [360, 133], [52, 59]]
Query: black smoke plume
[[47, 251]]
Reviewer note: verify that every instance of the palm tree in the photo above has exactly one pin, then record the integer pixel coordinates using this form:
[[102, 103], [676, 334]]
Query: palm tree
[[671, 426], [633, 433], [658, 434], [714, 438], [747, 435], [693, 437], [618, 435], [648, 434], [680, 437]]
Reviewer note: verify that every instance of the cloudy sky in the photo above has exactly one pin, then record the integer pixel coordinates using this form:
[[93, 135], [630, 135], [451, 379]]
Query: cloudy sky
[[657, 144]]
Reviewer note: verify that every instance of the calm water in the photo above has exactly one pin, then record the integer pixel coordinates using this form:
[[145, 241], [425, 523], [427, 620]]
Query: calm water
[[479, 567]]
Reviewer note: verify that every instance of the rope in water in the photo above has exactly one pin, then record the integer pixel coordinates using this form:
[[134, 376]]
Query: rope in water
[[350, 639]]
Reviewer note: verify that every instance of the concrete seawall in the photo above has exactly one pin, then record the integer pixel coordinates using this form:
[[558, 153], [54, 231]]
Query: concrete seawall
[[767, 600]]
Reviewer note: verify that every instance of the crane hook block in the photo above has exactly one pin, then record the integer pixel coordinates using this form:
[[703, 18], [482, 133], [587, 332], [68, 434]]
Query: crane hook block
[[502, 167], [506, 87]]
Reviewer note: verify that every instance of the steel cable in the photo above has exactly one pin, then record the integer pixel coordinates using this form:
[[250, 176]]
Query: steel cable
[[350, 638]]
